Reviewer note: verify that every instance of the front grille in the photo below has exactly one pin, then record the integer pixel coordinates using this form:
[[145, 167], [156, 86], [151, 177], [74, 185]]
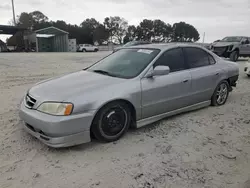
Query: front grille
[[29, 101], [220, 49]]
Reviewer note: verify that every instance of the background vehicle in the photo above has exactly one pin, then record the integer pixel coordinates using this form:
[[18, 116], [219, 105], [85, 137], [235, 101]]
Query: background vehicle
[[247, 68], [133, 43], [134, 86], [232, 47], [87, 48]]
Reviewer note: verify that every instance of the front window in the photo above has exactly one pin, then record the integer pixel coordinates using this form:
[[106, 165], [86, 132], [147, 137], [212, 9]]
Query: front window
[[125, 63], [232, 39]]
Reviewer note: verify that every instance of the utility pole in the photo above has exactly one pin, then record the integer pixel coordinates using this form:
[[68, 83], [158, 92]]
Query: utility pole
[[13, 11], [203, 37]]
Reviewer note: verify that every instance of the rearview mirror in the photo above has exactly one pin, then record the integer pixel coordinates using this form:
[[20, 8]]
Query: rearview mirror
[[158, 71]]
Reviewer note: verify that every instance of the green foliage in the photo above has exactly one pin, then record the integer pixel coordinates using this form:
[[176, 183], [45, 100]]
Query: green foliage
[[115, 29], [126, 39], [183, 32]]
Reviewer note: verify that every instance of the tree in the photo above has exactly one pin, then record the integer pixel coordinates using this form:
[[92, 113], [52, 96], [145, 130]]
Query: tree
[[145, 31], [88, 28], [131, 32], [117, 27], [31, 20], [61, 25], [162, 31], [183, 32], [25, 20], [38, 17], [126, 39], [100, 34]]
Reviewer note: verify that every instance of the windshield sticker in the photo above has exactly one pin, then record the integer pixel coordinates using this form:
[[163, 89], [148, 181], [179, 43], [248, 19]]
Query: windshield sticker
[[145, 51]]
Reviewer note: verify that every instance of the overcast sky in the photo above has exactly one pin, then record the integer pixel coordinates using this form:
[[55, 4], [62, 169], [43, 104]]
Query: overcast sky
[[217, 18]]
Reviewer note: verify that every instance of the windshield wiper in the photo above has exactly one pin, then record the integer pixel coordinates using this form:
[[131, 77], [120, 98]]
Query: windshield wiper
[[104, 72]]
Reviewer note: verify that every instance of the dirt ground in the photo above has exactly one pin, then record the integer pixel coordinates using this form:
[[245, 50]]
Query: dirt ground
[[207, 148]]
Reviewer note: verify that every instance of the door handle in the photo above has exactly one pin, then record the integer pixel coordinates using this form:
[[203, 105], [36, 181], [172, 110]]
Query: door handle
[[185, 81], [217, 74]]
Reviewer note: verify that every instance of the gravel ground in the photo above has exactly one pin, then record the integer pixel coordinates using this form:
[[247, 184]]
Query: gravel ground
[[207, 148]]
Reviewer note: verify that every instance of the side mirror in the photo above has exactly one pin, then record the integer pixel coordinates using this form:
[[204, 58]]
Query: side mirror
[[159, 71], [242, 42]]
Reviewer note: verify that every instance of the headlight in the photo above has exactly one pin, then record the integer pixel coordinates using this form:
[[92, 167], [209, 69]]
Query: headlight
[[54, 108]]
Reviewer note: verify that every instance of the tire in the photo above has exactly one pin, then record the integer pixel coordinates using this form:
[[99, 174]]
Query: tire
[[111, 122], [96, 50], [234, 56], [83, 50], [222, 91]]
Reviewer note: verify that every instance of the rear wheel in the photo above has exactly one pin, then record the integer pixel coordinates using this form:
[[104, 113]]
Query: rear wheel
[[111, 122], [234, 56], [220, 94], [96, 50]]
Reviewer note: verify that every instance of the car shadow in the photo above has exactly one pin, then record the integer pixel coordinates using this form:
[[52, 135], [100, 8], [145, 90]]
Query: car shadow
[[145, 130]]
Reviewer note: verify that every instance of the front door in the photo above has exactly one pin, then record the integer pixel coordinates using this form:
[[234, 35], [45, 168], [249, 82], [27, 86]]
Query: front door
[[161, 94], [245, 47]]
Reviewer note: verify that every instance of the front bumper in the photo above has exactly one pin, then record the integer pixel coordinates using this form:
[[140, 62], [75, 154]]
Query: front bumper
[[224, 51], [57, 131]]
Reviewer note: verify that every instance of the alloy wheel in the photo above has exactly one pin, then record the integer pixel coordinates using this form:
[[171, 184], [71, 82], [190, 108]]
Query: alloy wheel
[[222, 93]]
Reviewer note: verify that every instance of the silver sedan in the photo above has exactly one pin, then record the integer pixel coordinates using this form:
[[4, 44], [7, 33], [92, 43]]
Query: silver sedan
[[134, 86]]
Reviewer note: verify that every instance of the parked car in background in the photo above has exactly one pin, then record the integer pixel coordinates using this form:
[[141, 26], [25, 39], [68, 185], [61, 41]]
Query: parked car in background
[[133, 43], [87, 48], [134, 86], [232, 47], [247, 68]]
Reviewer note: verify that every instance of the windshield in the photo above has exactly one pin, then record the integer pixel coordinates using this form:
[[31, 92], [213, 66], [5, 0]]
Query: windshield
[[232, 39], [125, 63]]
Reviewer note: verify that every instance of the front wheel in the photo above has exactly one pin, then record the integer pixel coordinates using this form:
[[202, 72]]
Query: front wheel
[[220, 94], [111, 122], [234, 56], [83, 50]]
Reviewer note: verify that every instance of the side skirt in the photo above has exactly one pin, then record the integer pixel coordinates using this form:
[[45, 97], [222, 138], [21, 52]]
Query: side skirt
[[153, 119]]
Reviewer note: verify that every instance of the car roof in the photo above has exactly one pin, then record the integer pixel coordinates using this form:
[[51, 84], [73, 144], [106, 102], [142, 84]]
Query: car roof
[[236, 36], [164, 46]]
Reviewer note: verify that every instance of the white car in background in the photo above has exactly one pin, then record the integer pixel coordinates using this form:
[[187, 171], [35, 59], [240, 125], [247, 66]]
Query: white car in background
[[87, 48], [247, 68]]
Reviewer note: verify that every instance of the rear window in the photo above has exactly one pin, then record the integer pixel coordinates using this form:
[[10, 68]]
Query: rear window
[[196, 57]]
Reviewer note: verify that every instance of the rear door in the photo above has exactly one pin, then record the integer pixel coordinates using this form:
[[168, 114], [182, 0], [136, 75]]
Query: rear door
[[166, 93], [204, 72]]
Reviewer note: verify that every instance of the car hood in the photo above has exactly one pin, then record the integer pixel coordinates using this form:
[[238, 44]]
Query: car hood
[[221, 44], [63, 87]]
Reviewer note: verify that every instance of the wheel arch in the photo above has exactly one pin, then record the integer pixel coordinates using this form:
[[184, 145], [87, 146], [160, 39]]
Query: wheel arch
[[237, 49], [130, 105]]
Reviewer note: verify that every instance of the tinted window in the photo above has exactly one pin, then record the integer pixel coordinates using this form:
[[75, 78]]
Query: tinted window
[[196, 57], [172, 58], [125, 63]]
